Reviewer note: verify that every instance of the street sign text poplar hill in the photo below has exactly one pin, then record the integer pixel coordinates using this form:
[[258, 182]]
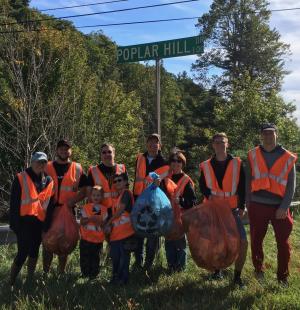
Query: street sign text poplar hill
[[159, 50]]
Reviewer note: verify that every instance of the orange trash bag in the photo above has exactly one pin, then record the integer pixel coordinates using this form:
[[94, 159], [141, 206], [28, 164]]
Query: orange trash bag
[[212, 234], [63, 234], [176, 231]]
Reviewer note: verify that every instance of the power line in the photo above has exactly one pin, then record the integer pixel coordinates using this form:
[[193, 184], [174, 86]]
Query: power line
[[99, 13], [108, 25], [128, 23], [81, 5]]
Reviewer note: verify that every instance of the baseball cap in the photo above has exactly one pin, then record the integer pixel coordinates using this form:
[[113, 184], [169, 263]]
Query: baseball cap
[[63, 142], [268, 126], [154, 135], [39, 156]]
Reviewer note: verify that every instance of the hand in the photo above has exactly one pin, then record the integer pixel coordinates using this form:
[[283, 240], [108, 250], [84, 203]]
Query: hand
[[241, 213], [281, 214], [157, 181]]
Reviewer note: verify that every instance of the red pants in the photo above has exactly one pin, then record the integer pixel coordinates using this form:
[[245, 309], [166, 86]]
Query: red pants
[[259, 216]]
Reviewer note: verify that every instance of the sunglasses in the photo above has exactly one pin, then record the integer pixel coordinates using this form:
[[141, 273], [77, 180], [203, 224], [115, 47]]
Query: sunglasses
[[176, 161], [106, 152], [117, 180]]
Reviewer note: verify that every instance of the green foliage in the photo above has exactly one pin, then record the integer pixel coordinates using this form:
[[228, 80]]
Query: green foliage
[[239, 39]]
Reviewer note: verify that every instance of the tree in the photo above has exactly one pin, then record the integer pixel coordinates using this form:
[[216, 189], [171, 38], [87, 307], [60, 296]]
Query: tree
[[239, 41]]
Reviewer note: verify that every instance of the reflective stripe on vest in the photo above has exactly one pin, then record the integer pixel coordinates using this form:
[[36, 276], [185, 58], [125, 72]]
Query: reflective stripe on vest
[[181, 184], [272, 179], [108, 192], [279, 179], [208, 179], [33, 203], [123, 220], [141, 179]]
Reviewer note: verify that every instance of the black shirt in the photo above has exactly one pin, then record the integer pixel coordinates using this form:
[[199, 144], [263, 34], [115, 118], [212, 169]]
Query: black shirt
[[188, 198], [40, 182], [219, 168], [62, 169]]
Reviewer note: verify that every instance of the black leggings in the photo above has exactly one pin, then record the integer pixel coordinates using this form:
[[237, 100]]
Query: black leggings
[[90, 258], [29, 238]]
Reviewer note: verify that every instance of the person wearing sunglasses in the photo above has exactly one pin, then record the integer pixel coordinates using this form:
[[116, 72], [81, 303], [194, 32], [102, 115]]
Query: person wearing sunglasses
[[121, 230], [184, 196], [150, 161], [223, 177], [103, 174], [31, 195]]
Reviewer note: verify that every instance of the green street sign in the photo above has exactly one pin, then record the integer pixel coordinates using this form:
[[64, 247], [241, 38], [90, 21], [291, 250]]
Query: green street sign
[[159, 50]]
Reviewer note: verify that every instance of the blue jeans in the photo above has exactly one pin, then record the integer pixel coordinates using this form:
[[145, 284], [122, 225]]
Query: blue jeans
[[152, 246], [120, 261], [176, 254]]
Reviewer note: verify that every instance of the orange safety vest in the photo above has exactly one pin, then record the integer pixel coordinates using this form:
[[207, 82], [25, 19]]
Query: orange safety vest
[[69, 185], [100, 179], [32, 202], [92, 232], [141, 179], [229, 183], [121, 226], [273, 180], [175, 190]]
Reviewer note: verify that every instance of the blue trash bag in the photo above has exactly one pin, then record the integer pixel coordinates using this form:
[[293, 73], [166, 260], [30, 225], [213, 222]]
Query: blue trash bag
[[152, 213]]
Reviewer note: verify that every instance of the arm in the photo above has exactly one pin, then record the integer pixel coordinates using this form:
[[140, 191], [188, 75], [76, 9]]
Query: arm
[[203, 188], [82, 192], [15, 203], [188, 199], [281, 212], [125, 205], [248, 178], [241, 189]]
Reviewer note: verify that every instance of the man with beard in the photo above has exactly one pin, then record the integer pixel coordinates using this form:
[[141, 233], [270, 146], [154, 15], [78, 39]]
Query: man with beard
[[69, 181]]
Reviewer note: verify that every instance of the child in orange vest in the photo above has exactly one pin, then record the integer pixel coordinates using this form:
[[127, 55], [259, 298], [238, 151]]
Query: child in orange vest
[[93, 216], [122, 240]]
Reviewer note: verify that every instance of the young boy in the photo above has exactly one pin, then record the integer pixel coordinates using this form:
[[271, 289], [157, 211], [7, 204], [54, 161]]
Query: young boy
[[93, 216]]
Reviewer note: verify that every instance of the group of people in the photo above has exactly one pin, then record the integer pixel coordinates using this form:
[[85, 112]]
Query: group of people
[[265, 185]]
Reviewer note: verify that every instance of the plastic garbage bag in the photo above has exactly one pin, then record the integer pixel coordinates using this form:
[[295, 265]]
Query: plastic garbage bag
[[152, 213], [63, 234], [212, 235]]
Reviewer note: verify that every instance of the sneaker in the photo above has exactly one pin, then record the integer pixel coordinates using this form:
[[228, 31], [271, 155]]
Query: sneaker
[[217, 275], [239, 283], [283, 283], [259, 275]]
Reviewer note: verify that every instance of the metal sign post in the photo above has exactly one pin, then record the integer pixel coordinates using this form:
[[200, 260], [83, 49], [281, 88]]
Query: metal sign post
[[157, 62], [157, 51]]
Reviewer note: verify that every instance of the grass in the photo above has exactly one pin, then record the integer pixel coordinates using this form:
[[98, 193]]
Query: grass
[[186, 290]]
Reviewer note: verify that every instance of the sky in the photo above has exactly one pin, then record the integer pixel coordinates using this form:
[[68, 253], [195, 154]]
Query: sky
[[287, 23]]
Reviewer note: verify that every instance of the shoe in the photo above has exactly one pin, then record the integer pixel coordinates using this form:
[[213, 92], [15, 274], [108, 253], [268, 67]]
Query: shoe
[[217, 275], [259, 275], [283, 283], [239, 283]]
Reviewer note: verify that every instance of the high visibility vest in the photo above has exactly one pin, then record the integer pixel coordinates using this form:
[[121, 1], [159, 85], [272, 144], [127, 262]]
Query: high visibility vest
[[229, 183], [32, 202], [141, 179], [100, 179], [69, 185], [92, 232], [121, 226], [175, 190], [273, 180]]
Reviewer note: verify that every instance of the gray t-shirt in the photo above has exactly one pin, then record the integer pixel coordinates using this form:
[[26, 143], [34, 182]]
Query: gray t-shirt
[[267, 197]]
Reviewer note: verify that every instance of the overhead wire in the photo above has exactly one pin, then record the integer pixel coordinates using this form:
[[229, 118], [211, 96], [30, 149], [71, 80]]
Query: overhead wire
[[98, 13], [81, 5]]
